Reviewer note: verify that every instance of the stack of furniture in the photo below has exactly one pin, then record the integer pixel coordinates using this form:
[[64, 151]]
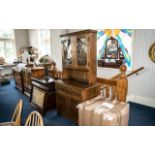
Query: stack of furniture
[[79, 72]]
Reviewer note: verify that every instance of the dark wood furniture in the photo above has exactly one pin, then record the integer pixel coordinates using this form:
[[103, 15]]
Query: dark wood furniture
[[43, 96], [27, 74], [18, 80], [79, 72]]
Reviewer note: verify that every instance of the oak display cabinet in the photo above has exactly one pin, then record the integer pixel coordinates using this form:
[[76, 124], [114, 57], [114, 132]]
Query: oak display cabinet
[[79, 72], [79, 56]]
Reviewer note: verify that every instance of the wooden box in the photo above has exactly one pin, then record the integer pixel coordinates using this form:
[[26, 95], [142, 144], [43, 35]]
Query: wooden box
[[43, 96]]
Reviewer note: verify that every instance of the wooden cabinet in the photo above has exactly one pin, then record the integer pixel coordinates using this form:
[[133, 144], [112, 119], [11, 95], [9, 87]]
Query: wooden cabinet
[[79, 72], [43, 94], [27, 74], [79, 56], [70, 94]]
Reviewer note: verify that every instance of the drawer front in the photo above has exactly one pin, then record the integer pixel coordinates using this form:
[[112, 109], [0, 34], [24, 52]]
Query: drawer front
[[90, 92], [68, 90]]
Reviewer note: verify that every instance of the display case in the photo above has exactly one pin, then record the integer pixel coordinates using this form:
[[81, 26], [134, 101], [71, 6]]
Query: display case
[[79, 56], [79, 72]]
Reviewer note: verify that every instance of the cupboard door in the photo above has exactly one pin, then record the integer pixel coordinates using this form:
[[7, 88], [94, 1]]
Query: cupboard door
[[82, 51], [67, 52], [60, 103]]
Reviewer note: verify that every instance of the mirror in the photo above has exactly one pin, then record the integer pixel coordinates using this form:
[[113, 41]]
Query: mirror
[[112, 48]]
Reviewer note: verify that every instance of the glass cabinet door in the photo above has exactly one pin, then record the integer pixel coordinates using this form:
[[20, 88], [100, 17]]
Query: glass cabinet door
[[67, 52], [82, 51]]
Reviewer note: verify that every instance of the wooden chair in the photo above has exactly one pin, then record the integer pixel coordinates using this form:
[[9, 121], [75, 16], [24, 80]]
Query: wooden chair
[[34, 119], [16, 118]]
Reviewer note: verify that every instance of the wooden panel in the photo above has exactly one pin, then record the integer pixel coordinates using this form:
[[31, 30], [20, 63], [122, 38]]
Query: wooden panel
[[18, 80]]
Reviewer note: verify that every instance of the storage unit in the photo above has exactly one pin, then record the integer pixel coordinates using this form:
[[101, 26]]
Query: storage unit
[[79, 72], [79, 56], [43, 96], [70, 94]]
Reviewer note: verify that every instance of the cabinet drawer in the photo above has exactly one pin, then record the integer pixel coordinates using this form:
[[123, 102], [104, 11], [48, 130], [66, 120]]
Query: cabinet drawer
[[68, 90]]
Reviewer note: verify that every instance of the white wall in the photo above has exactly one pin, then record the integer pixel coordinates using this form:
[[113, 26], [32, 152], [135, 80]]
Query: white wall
[[144, 84], [32, 37], [21, 38], [56, 47]]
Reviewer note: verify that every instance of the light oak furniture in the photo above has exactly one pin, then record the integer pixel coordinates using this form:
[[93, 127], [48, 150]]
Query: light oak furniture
[[16, 118], [79, 56], [43, 96], [34, 119], [78, 81]]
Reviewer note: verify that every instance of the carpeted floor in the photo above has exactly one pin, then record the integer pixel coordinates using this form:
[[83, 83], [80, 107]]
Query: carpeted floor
[[9, 96]]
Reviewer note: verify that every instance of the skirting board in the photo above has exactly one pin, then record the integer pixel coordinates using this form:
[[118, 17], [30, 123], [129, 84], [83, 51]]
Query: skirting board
[[141, 100]]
